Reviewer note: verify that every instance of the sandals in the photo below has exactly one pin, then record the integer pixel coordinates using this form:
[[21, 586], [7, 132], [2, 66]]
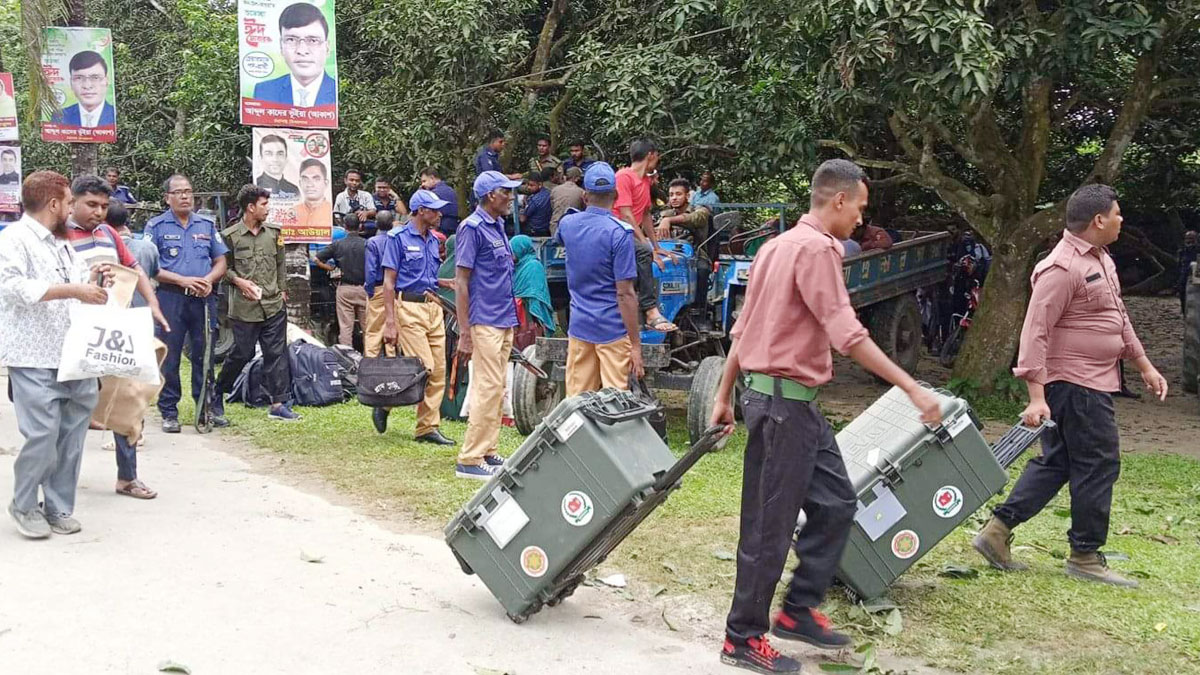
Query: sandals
[[661, 325], [138, 490]]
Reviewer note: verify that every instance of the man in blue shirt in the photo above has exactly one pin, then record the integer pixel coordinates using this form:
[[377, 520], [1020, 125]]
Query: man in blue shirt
[[372, 277], [578, 157], [706, 196], [413, 314], [431, 180], [535, 216], [487, 314], [488, 157], [604, 343], [120, 193], [191, 258]]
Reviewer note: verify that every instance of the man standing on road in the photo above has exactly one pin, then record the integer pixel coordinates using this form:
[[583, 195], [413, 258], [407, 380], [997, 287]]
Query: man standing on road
[[95, 242], [796, 307], [633, 206], [121, 193], [414, 318], [373, 276], [604, 334], [1076, 330], [39, 281], [350, 255], [431, 180], [487, 314], [256, 304], [566, 196], [191, 256]]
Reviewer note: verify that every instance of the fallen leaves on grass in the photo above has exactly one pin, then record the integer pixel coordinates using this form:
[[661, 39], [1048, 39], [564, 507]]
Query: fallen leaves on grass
[[1164, 539], [722, 554], [958, 571], [614, 581]]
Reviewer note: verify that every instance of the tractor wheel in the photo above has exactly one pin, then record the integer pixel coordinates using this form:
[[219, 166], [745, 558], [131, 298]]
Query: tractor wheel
[[533, 398], [895, 325], [702, 395]]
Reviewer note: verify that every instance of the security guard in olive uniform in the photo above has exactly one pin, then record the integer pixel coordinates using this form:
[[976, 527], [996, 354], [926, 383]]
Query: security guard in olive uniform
[[256, 276], [192, 262]]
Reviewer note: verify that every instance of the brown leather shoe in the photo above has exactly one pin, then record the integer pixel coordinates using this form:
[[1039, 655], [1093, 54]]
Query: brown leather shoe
[[1092, 566], [993, 541]]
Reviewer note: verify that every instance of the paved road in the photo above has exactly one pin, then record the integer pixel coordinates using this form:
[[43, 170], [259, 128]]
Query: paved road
[[210, 575]]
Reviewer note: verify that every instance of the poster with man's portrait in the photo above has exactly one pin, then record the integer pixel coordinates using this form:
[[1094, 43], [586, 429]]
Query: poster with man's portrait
[[8, 108], [10, 179], [78, 64], [294, 165], [287, 62]]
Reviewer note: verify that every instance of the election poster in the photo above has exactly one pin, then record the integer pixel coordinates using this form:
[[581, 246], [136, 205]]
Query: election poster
[[8, 108], [294, 165], [10, 179], [78, 64], [288, 63]]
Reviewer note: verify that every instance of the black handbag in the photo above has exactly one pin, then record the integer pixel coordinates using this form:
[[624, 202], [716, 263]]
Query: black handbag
[[391, 381]]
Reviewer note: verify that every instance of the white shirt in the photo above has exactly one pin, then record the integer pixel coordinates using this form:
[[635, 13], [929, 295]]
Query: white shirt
[[90, 119], [31, 260], [305, 97], [342, 203]]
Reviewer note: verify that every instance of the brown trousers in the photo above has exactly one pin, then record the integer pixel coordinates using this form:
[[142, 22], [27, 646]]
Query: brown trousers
[[351, 306]]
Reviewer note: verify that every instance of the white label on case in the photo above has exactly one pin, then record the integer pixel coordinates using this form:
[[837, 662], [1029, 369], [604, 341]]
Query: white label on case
[[505, 522], [569, 426]]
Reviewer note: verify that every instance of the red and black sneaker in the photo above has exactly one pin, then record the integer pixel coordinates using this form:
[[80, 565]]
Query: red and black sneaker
[[812, 627], [757, 655]]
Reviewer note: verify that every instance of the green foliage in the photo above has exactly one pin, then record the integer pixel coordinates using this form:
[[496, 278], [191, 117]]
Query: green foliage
[[1004, 403]]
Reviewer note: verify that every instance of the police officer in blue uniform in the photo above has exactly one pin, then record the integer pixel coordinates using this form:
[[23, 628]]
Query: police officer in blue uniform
[[192, 262]]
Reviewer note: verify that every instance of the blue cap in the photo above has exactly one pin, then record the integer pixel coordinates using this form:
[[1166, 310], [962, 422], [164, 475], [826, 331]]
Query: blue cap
[[425, 199], [599, 177], [492, 180]]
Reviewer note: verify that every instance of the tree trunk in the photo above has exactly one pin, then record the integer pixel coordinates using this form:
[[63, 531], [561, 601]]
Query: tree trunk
[[85, 157], [995, 331]]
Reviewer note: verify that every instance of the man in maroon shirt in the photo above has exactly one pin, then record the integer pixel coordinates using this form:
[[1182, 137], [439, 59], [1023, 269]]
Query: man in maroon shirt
[[796, 308], [1076, 331]]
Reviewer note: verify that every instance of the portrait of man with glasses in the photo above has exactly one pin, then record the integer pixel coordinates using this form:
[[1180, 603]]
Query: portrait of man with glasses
[[304, 43], [89, 82]]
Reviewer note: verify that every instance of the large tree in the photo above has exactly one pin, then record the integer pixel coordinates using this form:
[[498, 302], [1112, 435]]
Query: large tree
[[976, 96]]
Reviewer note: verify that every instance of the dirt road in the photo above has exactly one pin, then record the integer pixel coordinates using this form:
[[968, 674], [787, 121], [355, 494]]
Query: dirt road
[[211, 575]]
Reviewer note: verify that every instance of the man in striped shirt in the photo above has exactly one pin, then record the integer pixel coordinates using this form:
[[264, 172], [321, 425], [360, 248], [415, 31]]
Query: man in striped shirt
[[93, 242]]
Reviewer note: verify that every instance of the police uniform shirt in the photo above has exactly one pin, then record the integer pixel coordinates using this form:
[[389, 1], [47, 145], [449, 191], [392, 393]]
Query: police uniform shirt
[[415, 259], [188, 251], [599, 254]]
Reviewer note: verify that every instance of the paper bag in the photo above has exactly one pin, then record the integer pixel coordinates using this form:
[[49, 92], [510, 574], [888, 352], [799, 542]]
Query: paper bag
[[124, 402]]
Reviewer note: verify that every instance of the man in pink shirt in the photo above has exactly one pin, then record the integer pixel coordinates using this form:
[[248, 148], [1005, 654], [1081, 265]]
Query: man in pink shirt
[[796, 308], [1076, 331], [633, 206]]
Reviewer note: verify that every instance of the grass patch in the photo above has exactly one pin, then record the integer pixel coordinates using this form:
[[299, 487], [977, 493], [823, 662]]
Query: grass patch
[[1035, 622]]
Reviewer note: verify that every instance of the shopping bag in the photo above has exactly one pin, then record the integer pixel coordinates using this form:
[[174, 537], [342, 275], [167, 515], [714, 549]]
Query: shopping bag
[[104, 340], [124, 402]]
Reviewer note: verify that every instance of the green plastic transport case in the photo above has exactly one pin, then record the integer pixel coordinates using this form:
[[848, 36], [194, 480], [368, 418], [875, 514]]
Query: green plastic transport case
[[915, 484], [586, 477]]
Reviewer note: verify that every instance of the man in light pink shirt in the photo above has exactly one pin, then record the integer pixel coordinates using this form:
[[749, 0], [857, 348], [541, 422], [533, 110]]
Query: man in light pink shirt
[[796, 308], [1076, 332]]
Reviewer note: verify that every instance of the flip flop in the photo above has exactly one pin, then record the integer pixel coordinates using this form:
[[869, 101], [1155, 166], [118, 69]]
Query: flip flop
[[138, 490], [662, 326]]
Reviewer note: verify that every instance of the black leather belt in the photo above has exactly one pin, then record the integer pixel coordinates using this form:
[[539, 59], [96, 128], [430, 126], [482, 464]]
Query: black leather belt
[[413, 297]]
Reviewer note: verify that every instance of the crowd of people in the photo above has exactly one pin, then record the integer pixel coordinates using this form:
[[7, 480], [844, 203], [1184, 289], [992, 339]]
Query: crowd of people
[[396, 279]]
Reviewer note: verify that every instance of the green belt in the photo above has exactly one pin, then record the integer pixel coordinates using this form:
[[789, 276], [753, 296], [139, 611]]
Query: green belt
[[789, 389]]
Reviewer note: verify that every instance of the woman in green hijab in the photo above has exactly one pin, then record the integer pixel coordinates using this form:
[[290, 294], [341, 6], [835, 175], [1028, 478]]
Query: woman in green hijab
[[529, 283]]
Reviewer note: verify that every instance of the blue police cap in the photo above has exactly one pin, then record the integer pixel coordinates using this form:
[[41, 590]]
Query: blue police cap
[[599, 177], [425, 199], [492, 180]]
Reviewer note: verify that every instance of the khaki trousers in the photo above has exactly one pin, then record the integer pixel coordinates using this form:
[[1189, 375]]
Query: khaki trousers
[[422, 334], [591, 366], [373, 331], [351, 306], [490, 358]]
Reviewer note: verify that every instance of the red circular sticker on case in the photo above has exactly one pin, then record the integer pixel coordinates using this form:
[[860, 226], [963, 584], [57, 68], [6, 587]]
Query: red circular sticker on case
[[905, 544]]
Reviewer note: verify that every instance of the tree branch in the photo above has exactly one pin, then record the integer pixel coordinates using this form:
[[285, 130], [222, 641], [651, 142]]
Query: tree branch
[[1133, 112], [850, 152], [973, 206]]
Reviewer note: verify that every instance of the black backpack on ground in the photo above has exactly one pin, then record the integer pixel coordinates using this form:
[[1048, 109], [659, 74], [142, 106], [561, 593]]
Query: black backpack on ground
[[317, 375], [349, 360], [248, 387]]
